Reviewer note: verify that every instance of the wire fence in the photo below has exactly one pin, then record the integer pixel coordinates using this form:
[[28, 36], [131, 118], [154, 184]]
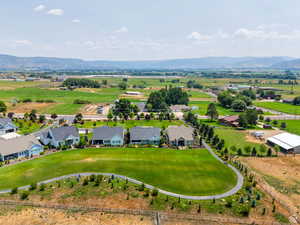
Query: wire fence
[[158, 217]]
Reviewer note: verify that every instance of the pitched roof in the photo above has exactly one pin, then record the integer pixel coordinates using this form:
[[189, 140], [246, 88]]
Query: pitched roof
[[16, 145], [179, 107], [5, 121], [177, 132], [286, 140], [107, 133], [141, 106], [61, 133], [144, 133], [230, 119]]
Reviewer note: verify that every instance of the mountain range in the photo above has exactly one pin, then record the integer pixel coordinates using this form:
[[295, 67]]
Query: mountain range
[[9, 62]]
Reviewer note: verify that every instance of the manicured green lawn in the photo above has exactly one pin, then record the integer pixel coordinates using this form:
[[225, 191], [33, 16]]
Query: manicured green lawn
[[132, 123], [280, 107], [27, 127], [235, 138], [191, 172], [292, 126], [198, 94], [202, 108]]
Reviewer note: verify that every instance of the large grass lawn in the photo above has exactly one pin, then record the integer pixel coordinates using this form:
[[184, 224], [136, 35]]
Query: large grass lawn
[[202, 108], [63, 98], [191, 172], [131, 123], [280, 107], [235, 138], [292, 126]]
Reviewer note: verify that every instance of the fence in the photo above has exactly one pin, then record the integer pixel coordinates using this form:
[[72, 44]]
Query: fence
[[158, 217]]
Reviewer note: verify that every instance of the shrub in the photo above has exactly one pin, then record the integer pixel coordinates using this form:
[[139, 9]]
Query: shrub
[[141, 187], [154, 192], [24, 195], [33, 186], [85, 182], [79, 101], [42, 187], [14, 191]]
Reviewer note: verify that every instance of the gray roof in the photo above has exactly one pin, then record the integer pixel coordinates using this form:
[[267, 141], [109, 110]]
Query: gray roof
[[141, 106], [61, 133], [18, 144], [144, 133], [179, 107], [107, 133], [177, 132], [5, 121]]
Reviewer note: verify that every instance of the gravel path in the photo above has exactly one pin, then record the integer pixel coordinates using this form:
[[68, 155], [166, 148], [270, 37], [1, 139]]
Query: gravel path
[[237, 187]]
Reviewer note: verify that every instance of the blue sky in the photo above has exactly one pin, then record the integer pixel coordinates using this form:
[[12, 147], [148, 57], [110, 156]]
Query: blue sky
[[140, 30]]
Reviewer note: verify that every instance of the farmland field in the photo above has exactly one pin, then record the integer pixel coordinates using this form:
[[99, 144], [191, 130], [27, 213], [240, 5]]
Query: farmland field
[[64, 99], [132, 123], [280, 107], [202, 108], [292, 126], [235, 138], [191, 172]]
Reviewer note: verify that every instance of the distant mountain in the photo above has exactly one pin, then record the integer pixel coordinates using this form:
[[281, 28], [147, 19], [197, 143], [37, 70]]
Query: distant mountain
[[290, 64], [8, 62]]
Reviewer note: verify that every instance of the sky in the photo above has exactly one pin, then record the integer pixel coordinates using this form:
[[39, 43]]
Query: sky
[[145, 30]]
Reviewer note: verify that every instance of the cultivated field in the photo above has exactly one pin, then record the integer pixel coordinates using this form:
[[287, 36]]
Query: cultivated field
[[186, 172], [280, 107]]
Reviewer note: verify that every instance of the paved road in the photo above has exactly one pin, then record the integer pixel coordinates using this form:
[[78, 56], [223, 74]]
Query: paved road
[[237, 187]]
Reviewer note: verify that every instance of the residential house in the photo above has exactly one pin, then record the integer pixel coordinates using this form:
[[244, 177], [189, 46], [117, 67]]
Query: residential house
[[145, 135], [111, 136], [60, 136], [180, 136], [141, 106], [180, 108], [7, 126], [232, 121], [20, 147], [288, 143]]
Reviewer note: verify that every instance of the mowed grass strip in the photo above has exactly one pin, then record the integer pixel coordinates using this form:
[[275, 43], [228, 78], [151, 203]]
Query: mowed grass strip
[[190, 172], [280, 107]]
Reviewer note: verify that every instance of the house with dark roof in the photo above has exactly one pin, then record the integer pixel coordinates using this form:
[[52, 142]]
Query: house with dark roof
[[19, 147], [60, 136], [141, 106], [180, 136], [232, 121], [145, 135], [7, 126], [109, 136]]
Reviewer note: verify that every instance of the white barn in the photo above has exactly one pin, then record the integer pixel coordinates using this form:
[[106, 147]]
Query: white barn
[[287, 142]]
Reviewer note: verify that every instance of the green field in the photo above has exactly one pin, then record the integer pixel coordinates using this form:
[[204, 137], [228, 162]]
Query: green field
[[63, 98], [191, 172], [292, 126], [280, 107], [202, 108], [235, 138], [131, 123]]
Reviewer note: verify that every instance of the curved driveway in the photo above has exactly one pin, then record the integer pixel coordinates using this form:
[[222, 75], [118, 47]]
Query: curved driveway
[[235, 189]]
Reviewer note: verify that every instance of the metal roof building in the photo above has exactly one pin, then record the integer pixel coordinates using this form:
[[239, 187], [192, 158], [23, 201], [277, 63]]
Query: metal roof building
[[286, 141]]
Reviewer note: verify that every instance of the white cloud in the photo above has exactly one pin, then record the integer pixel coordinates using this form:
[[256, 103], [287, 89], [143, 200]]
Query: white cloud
[[266, 35], [23, 42], [76, 21], [198, 36], [122, 30], [89, 44], [56, 12], [39, 8]]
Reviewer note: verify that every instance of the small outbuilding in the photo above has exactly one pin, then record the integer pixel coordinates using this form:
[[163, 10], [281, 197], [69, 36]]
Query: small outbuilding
[[288, 143], [232, 121]]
